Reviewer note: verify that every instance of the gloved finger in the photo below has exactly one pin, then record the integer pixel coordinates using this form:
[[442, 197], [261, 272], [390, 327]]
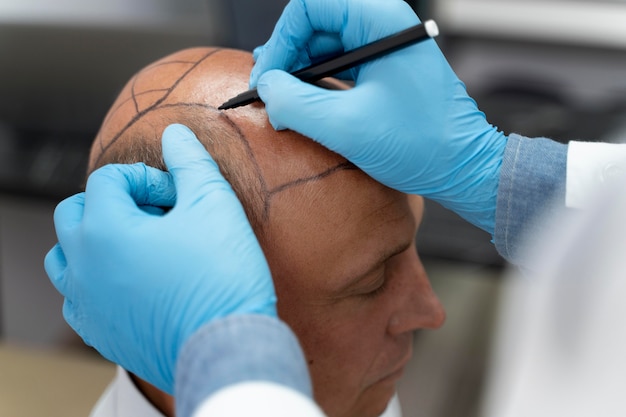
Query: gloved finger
[[312, 111], [256, 52], [301, 19], [55, 265], [321, 46], [194, 171], [72, 318], [290, 36], [348, 18], [154, 210], [324, 45], [122, 188], [67, 216], [303, 59]]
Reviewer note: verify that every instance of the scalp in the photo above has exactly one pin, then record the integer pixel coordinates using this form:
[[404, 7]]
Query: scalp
[[187, 87]]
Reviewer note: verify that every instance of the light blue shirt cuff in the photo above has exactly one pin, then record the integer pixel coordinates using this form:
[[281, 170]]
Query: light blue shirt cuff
[[532, 184], [240, 348]]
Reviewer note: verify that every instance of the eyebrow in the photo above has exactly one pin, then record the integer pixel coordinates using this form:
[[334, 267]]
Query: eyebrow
[[357, 279]]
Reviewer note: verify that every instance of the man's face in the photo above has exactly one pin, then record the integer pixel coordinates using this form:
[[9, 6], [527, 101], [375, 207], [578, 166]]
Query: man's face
[[351, 286]]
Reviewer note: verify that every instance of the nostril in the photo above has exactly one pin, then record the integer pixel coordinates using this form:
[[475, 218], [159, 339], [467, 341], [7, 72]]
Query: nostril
[[431, 317]]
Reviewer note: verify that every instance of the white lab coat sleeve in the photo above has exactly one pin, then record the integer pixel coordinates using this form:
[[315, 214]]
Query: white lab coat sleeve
[[247, 355], [592, 166], [259, 399], [560, 338]]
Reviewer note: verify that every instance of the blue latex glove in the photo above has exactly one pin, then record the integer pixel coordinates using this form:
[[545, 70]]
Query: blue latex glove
[[409, 122], [137, 284]]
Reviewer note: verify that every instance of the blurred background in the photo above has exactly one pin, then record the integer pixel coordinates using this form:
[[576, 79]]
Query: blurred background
[[550, 68]]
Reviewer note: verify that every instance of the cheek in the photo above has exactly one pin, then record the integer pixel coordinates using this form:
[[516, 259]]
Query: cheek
[[332, 333], [343, 343]]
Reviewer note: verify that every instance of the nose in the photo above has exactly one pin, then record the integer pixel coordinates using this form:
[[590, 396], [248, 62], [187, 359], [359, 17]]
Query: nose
[[417, 305]]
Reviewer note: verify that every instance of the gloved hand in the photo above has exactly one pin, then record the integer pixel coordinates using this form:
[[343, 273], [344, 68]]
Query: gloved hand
[[408, 122], [136, 284]]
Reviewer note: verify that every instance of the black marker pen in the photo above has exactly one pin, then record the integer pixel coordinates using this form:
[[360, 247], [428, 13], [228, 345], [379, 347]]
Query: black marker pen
[[349, 59]]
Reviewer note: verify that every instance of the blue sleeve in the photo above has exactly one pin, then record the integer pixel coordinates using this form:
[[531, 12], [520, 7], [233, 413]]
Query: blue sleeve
[[532, 183], [238, 349]]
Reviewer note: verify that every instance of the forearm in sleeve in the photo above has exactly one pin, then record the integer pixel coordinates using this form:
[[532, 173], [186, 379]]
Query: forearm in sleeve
[[540, 177], [532, 182], [239, 363]]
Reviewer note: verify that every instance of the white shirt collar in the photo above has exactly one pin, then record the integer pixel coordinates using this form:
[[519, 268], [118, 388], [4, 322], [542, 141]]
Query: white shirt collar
[[123, 399]]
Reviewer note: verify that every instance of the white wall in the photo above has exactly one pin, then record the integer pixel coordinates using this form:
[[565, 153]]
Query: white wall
[[111, 12], [593, 22]]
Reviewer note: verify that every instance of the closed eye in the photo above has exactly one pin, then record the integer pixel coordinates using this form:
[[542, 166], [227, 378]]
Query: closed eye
[[378, 291]]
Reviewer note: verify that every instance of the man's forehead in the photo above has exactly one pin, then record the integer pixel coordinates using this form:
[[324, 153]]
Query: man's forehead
[[345, 223]]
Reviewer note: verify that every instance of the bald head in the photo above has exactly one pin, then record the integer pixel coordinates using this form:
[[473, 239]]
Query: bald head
[[187, 87], [340, 245]]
